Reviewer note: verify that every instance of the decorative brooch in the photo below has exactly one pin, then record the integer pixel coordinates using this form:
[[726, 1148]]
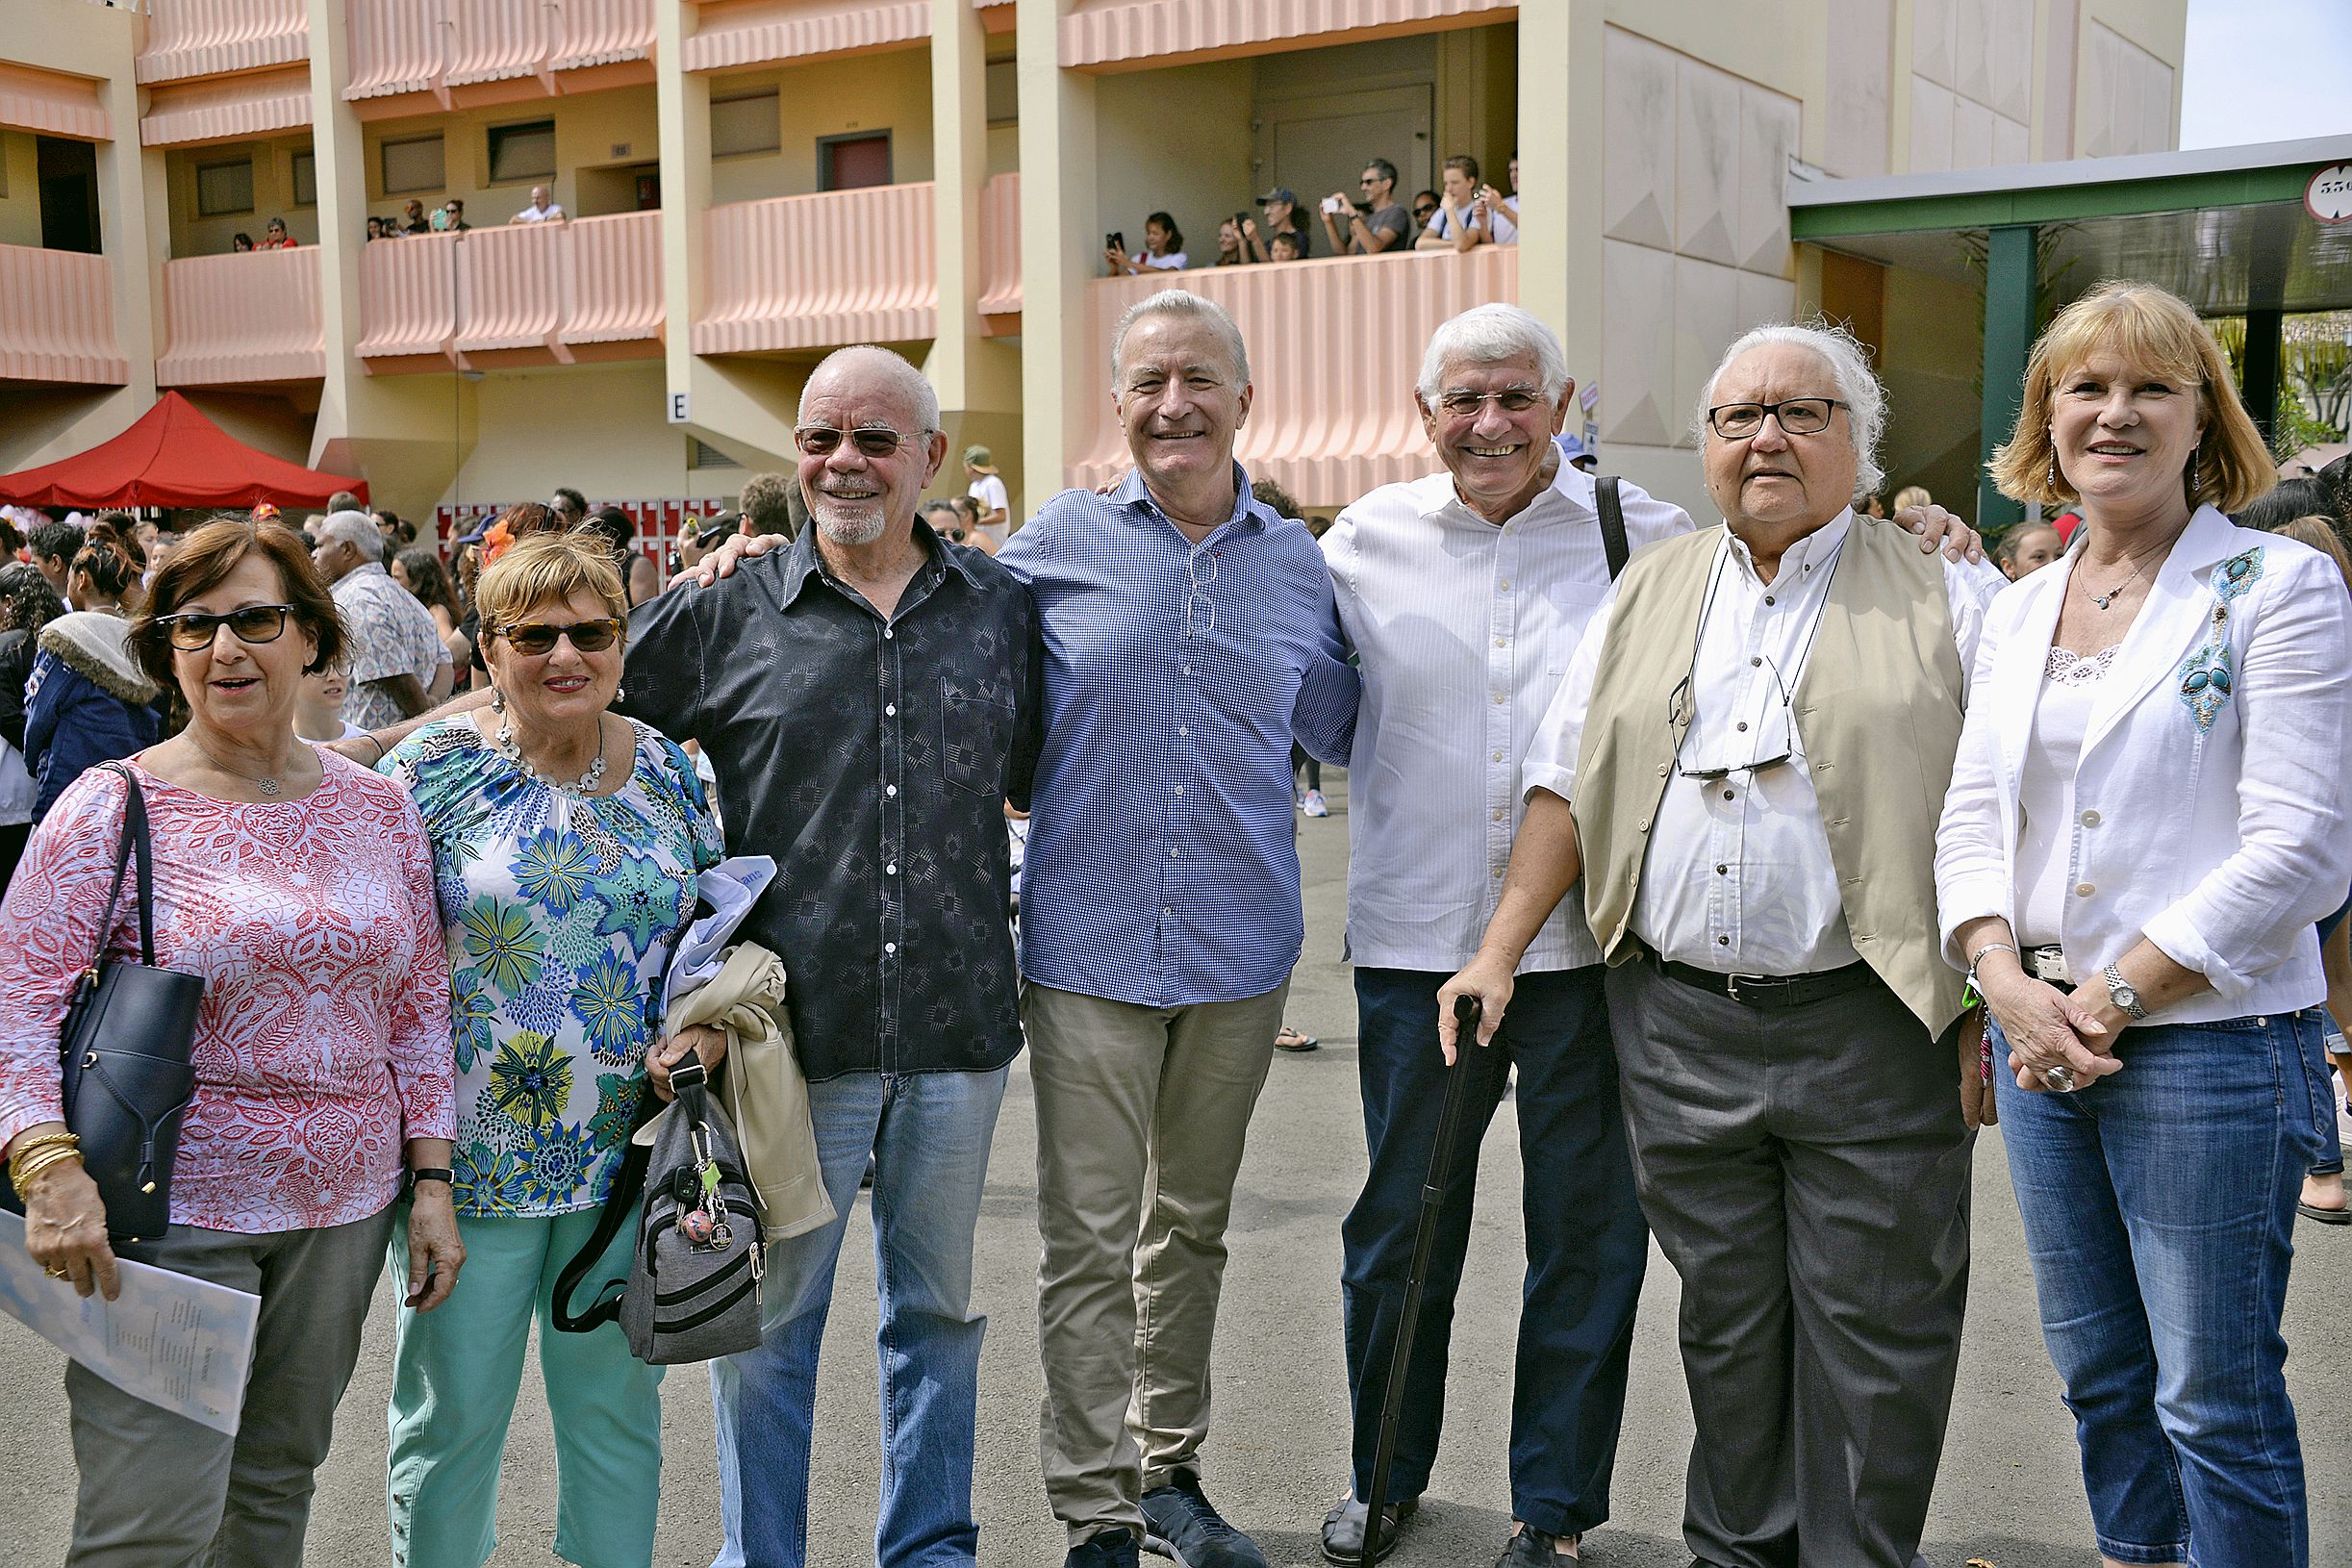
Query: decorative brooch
[[2209, 674]]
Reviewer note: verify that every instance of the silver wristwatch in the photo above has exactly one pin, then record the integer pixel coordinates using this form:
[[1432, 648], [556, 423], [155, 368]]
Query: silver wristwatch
[[2123, 993]]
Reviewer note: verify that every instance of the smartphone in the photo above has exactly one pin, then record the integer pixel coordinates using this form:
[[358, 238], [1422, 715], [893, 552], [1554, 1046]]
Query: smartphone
[[1240, 219], [1334, 205], [1115, 241]]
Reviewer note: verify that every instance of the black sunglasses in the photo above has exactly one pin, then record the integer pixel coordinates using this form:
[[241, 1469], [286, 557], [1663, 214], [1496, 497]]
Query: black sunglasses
[[872, 441], [535, 637], [193, 631]]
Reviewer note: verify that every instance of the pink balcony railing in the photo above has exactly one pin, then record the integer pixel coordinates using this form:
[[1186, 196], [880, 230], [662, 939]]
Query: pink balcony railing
[[1001, 246], [57, 318], [1335, 348], [813, 271], [209, 37], [755, 32], [230, 320], [1106, 32], [541, 292], [47, 101], [254, 104], [432, 46]]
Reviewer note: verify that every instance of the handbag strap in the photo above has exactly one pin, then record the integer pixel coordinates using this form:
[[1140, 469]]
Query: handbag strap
[[133, 847], [628, 1183], [1612, 525]]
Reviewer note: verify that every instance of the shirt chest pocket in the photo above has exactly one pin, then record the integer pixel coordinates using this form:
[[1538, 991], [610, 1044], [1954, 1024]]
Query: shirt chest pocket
[[1567, 609], [976, 735]]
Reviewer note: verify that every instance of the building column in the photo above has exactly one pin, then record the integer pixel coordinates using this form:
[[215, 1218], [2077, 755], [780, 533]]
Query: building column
[[2010, 288], [1059, 248], [1560, 175], [2258, 368], [978, 377]]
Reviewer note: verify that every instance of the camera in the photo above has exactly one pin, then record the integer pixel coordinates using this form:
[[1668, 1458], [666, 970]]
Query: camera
[[1334, 205]]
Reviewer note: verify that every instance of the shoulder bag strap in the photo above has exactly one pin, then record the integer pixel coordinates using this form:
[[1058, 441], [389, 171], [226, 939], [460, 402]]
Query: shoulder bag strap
[[628, 1183], [1612, 526], [135, 846]]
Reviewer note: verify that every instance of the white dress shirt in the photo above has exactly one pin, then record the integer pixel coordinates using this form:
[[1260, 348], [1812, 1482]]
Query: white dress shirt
[[1463, 629], [2208, 816], [1737, 878]]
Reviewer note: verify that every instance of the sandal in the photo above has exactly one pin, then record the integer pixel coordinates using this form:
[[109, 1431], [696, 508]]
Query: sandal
[[1291, 1039]]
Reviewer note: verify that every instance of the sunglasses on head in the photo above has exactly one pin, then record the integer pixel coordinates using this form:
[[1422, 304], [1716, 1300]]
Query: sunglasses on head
[[193, 631], [535, 637], [872, 441]]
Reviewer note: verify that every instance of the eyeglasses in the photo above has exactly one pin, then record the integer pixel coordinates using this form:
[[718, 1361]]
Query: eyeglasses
[[1422, 215], [1199, 609], [1798, 417], [193, 631], [874, 440], [1463, 404], [535, 637]]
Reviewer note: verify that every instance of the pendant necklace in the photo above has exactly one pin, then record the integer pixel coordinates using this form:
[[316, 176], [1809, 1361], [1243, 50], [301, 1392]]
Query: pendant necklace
[[2103, 600], [587, 782], [268, 785]]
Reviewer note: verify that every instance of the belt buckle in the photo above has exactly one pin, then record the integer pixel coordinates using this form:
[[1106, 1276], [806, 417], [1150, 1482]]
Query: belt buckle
[[2049, 965], [1731, 984]]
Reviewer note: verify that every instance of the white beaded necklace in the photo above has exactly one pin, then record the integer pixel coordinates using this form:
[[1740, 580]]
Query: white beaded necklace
[[587, 782]]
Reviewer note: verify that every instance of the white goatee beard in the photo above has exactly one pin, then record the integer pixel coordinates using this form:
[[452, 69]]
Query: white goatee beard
[[863, 531]]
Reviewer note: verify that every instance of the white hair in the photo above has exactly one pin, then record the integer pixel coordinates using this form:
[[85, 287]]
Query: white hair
[[1182, 302], [1849, 364], [894, 368], [1489, 335], [356, 529]]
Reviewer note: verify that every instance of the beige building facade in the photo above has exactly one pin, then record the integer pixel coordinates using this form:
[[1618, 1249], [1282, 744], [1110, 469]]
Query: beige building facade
[[754, 183]]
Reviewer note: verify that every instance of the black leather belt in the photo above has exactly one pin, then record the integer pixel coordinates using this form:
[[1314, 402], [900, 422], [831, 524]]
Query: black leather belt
[[1767, 992]]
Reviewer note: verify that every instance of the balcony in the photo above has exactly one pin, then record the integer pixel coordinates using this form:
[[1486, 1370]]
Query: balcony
[[231, 320], [802, 272], [1121, 34], [737, 33], [57, 318], [212, 38], [1335, 346], [257, 104], [432, 46], [549, 294], [1000, 254]]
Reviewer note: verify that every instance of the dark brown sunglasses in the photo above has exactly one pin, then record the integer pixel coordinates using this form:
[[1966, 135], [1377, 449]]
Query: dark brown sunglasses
[[535, 637]]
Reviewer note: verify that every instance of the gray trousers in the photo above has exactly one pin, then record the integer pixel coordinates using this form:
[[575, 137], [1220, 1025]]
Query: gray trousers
[[159, 1490], [1806, 1172]]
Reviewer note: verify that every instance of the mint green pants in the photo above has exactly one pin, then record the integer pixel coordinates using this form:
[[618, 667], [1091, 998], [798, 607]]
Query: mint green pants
[[456, 1373]]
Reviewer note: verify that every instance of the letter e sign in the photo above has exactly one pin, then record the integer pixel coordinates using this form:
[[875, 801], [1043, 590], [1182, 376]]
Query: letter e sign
[[677, 408]]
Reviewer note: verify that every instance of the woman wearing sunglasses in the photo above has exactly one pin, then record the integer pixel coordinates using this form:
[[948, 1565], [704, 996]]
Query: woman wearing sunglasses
[[297, 884], [567, 842]]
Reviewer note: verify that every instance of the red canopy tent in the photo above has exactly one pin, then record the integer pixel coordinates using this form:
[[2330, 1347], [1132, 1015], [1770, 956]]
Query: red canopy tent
[[175, 456]]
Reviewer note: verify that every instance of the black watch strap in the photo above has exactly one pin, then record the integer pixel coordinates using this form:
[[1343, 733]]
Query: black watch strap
[[432, 1172]]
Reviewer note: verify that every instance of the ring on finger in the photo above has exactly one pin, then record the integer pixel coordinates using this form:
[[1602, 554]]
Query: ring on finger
[[2059, 1079], [54, 1272]]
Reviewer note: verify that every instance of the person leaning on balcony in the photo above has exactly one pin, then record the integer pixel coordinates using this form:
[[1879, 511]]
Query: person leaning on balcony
[[413, 219], [297, 884], [2146, 822], [1468, 214], [274, 236], [1380, 224], [240, 243], [1163, 250], [1282, 216], [450, 218], [1799, 1081], [543, 209]]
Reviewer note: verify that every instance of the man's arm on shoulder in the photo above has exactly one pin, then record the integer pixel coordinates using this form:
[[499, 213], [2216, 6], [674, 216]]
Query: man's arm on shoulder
[[662, 674]]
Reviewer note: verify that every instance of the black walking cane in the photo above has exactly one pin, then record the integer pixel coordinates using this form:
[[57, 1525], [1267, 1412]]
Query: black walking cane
[[1466, 1015]]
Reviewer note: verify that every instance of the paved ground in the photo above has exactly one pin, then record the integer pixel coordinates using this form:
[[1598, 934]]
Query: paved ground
[[2008, 1494]]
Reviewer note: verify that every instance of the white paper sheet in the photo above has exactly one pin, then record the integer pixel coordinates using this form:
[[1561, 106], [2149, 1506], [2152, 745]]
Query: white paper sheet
[[181, 1342]]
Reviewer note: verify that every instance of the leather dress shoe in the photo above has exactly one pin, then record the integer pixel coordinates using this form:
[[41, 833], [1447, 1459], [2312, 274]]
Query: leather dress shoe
[[1343, 1529]]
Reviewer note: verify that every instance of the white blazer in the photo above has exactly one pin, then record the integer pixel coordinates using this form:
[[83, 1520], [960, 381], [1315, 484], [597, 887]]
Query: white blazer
[[2210, 794]]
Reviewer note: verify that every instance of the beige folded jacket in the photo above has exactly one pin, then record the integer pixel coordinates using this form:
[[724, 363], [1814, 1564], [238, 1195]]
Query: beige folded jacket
[[761, 1086]]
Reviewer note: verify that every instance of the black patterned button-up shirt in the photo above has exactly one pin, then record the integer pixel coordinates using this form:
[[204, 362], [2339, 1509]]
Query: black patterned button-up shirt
[[872, 759]]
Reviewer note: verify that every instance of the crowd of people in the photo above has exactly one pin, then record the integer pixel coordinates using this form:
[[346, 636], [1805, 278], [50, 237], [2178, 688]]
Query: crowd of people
[[1757, 976], [449, 217], [1464, 214]]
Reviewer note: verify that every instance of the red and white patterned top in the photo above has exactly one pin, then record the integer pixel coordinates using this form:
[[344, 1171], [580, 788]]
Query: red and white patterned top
[[322, 1044]]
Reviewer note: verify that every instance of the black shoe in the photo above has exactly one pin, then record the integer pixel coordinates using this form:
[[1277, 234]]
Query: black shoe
[[1111, 1549], [1531, 1548], [1343, 1528], [1178, 1523]]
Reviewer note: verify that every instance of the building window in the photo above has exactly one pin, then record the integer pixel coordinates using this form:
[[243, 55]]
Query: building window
[[745, 125], [224, 188], [849, 162], [306, 179], [701, 454], [413, 163], [522, 152]]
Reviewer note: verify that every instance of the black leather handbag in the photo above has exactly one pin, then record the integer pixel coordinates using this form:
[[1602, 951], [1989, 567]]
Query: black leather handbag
[[123, 1053]]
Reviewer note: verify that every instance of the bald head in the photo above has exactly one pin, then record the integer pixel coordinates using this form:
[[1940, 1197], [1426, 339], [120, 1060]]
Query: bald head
[[872, 371], [858, 494]]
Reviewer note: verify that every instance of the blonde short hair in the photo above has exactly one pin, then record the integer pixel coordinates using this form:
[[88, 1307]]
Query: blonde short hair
[[2320, 535], [2152, 330], [1909, 497], [544, 569]]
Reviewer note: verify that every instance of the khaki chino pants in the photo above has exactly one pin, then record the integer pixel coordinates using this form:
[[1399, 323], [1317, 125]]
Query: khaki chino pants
[[1140, 1117]]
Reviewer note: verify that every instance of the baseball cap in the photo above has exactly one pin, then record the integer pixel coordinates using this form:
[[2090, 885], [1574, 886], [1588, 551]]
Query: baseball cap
[[1280, 192], [978, 457]]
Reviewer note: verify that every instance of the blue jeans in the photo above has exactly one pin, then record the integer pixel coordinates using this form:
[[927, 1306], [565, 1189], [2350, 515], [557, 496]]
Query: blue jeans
[[2158, 1206], [1586, 1243], [928, 1134]]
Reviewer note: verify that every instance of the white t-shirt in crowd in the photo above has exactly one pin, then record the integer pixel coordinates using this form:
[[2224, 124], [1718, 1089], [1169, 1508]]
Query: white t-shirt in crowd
[[1502, 228], [552, 213], [989, 491], [1173, 262]]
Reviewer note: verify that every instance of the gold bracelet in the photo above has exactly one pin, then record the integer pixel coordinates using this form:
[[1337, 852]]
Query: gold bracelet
[[26, 1179], [27, 1148]]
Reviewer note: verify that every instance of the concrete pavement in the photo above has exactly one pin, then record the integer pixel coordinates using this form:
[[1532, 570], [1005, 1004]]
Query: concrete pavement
[[2009, 1492]]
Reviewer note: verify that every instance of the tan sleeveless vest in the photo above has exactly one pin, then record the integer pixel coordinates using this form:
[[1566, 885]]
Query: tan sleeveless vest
[[1878, 709]]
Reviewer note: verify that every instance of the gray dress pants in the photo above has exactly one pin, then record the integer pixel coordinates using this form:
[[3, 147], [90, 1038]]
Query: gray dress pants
[[1806, 1172], [159, 1490]]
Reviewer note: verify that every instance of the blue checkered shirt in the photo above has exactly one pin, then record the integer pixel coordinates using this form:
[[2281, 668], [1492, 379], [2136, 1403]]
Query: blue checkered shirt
[[1162, 866]]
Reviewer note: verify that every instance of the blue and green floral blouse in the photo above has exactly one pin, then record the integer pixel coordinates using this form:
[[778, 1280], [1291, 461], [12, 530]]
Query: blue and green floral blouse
[[560, 911]]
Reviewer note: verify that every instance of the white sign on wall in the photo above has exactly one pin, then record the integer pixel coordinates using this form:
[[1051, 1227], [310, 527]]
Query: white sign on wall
[[677, 408], [2329, 196]]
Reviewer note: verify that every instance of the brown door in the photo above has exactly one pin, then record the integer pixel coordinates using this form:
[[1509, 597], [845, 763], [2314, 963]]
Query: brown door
[[847, 162]]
